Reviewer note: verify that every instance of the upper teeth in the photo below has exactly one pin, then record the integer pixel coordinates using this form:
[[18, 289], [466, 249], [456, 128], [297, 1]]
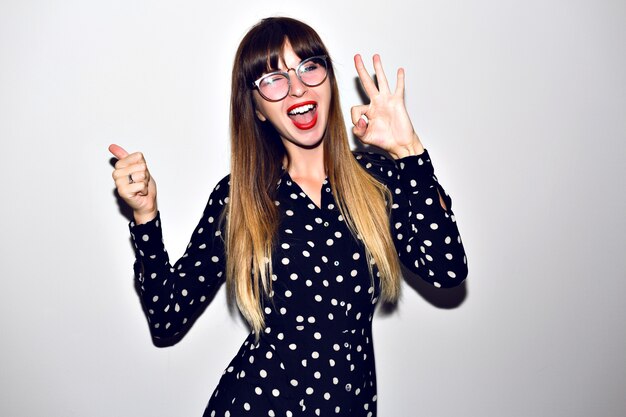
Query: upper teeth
[[302, 109]]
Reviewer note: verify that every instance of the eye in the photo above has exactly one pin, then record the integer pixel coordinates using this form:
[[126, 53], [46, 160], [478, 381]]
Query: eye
[[309, 66], [272, 80]]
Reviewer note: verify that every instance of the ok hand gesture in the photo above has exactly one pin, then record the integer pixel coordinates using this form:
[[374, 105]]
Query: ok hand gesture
[[134, 183], [386, 124]]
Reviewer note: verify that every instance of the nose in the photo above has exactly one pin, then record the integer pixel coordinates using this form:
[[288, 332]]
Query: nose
[[297, 87]]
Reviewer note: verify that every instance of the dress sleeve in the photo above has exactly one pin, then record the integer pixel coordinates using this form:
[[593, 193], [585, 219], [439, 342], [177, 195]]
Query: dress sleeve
[[426, 235], [174, 295]]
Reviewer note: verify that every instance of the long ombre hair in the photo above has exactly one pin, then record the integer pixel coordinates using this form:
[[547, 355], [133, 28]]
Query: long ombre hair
[[257, 155]]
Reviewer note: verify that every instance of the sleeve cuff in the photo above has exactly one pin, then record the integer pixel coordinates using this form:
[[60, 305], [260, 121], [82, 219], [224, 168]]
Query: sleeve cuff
[[416, 171], [147, 239]]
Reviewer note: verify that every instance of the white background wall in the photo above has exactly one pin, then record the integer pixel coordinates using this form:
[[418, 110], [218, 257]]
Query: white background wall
[[521, 104]]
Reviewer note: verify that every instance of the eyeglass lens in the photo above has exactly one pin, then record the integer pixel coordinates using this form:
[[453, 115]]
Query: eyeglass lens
[[311, 72]]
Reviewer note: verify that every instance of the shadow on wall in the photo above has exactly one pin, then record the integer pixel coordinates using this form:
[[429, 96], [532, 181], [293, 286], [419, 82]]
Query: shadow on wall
[[358, 145], [446, 298]]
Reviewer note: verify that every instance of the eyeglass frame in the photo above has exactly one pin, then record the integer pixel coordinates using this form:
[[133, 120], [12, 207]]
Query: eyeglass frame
[[256, 83]]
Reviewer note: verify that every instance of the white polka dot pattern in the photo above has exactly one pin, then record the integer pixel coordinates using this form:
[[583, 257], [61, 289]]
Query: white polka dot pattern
[[315, 356], [426, 235]]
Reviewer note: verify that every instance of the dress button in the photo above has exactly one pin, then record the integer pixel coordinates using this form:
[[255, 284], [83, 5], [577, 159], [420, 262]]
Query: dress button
[[326, 224], [348, 387]]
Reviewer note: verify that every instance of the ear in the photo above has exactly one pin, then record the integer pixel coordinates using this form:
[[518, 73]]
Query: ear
[[260, 115]]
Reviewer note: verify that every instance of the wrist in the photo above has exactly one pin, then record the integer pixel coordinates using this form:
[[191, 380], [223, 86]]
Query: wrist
[[142, 217], [414, 147]]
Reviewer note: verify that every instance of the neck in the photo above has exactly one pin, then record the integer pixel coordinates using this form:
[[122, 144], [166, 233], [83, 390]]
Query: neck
[[306, 163]]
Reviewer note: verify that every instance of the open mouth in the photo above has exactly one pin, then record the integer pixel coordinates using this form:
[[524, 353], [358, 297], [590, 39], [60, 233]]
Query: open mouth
[[303, 115]]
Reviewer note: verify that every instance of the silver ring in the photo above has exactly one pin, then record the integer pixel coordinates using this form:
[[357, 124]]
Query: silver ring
[[130, 179]]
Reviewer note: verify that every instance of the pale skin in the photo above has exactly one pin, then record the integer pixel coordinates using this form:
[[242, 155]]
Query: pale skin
[[386, 125]]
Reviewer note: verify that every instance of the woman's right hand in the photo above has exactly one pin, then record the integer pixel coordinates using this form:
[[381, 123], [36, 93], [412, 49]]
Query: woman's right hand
[[134, 183]]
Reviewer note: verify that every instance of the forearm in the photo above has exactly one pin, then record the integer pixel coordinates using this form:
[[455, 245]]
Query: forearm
[[429, 242]]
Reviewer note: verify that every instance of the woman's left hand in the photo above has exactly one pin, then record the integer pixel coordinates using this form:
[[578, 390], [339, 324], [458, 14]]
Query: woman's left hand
[[387, 124]]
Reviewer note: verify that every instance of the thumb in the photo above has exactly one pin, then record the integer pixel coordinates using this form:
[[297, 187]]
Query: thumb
[[118, 151]]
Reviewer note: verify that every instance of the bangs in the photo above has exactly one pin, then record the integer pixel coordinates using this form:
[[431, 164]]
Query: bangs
[[265, 47]]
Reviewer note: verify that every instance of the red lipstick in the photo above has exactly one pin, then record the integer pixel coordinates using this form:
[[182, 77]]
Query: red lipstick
[[306, 118]]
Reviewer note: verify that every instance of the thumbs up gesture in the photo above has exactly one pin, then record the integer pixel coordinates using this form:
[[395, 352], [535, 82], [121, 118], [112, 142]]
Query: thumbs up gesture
[[134, 183]]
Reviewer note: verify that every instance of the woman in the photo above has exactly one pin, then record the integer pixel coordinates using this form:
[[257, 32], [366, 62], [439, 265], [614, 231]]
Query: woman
[[306, 234]]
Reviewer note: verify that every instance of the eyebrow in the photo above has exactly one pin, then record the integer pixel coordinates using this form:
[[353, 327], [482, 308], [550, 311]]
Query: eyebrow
[[281, 60]]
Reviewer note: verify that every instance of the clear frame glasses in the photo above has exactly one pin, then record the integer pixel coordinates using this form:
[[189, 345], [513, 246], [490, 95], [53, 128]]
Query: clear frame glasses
[[275, 86]]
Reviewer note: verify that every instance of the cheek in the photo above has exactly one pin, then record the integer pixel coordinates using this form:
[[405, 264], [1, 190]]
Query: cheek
[[327, 100], [261, 108], [327, 92]]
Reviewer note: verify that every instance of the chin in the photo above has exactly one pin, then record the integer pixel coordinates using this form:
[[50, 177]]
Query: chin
[[306, 143], [306, 138]]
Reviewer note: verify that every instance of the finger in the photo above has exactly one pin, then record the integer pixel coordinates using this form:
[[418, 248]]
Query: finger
[[129, 191], [144, 189], [133, 158], [139, 172], [357, 112], [118, 151], [366, 80], [139, 176], [400, 83], [383, 84], [129, 170]]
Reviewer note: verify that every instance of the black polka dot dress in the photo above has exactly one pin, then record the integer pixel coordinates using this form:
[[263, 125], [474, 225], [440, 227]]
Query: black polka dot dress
[[315, 357]]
